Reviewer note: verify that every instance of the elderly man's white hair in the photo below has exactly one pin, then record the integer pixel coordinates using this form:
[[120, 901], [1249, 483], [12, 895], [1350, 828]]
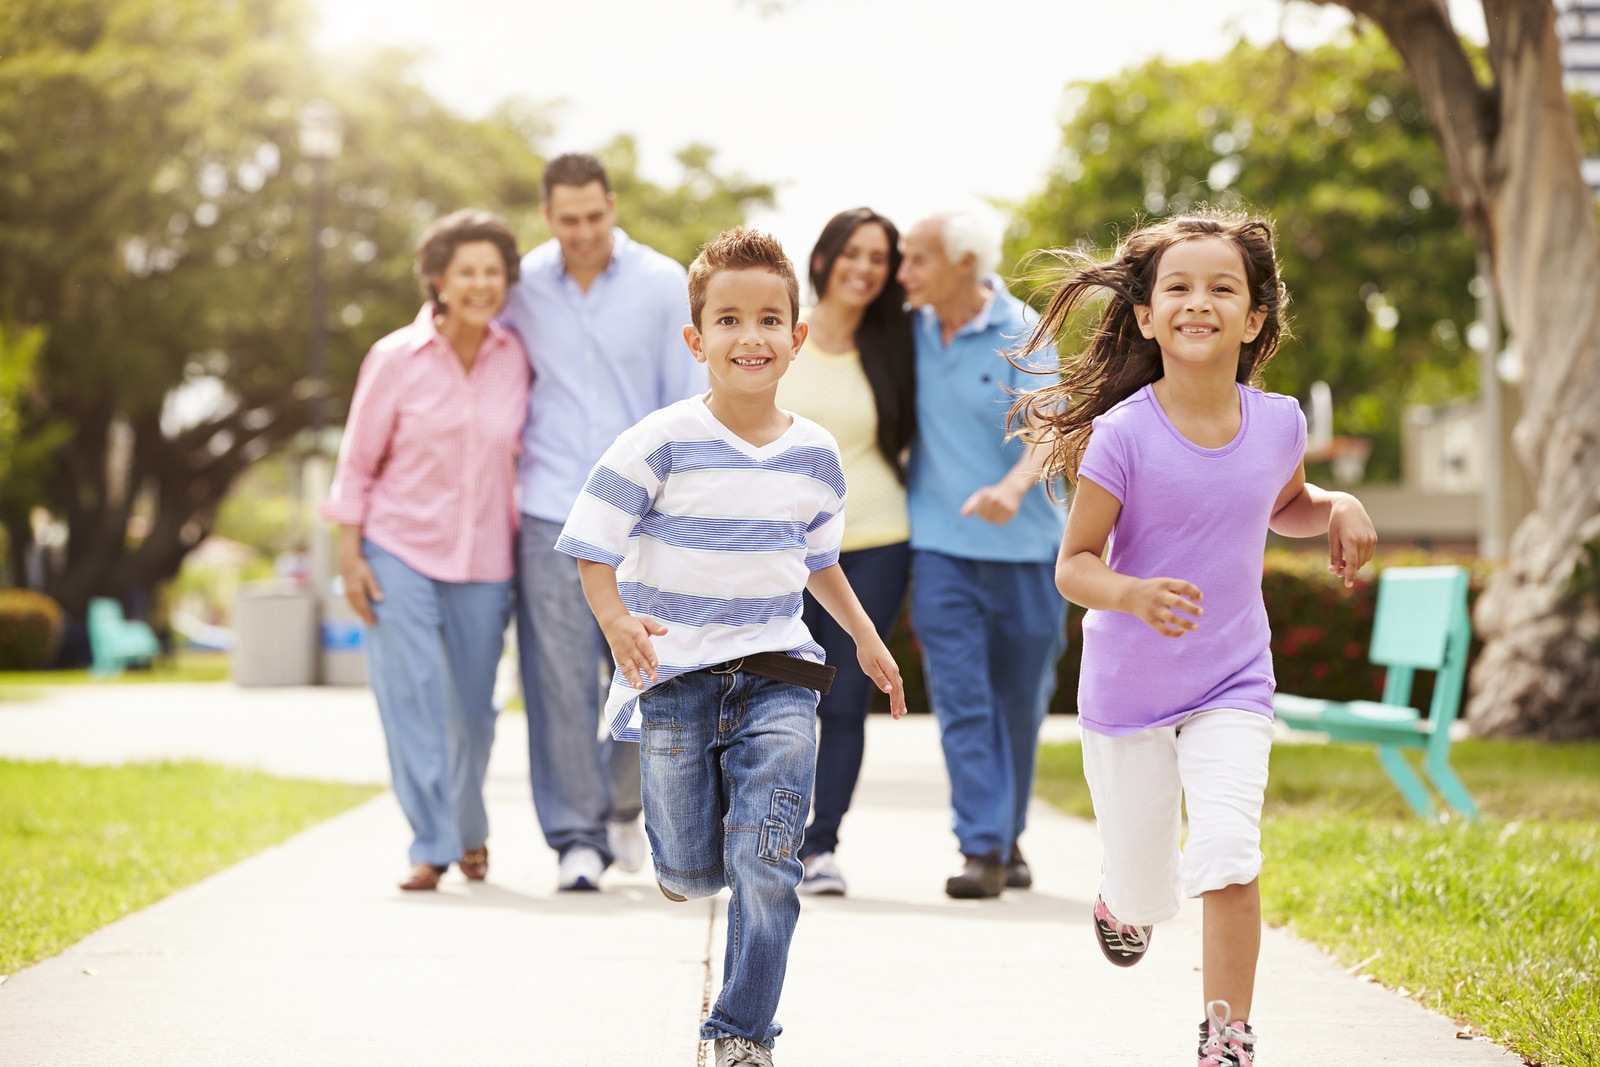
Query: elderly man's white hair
[[964, 232]]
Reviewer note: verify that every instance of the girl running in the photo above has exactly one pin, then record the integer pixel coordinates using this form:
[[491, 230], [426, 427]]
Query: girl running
[[1182, 464]]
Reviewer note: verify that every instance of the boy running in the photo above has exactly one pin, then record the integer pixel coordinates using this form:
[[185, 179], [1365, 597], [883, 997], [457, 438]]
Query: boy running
[[695, 536]]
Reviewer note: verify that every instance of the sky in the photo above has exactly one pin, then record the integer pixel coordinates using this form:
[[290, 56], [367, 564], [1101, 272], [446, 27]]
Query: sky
[[906, 106]]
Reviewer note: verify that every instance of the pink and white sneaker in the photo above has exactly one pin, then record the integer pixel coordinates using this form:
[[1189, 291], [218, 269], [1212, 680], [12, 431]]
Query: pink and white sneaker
[[1225, 1043], [1122, 944]]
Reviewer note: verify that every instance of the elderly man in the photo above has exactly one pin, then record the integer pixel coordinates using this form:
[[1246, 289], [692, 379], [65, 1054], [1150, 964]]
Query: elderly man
[[602, 318], [984, 537]]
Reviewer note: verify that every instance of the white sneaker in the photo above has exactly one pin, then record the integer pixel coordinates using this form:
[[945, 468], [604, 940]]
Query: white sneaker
[[822, 877], [580, 869], [627, 843]]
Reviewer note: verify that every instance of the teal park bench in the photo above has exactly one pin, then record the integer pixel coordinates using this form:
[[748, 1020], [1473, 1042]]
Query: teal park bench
[[116, 642], [1421, 623]]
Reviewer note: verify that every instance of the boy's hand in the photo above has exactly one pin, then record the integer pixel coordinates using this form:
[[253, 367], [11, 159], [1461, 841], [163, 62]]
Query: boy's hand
[[880, 666], [1352, 539], [1169, 606], [997, 503], [629, 638]]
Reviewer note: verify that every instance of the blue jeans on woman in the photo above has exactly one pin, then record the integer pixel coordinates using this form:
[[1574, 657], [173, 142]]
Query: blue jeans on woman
[[431, 655], [878, 576], [726, 761]]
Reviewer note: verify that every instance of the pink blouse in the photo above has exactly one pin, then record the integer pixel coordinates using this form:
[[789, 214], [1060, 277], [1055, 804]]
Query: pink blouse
[[428, 464]]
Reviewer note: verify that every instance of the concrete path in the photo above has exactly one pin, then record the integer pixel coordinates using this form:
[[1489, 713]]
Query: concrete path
[[306, 954]]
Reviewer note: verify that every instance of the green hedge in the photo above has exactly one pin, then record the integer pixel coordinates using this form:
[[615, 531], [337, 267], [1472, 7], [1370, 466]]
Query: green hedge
[[1320, 632], [30, 630]]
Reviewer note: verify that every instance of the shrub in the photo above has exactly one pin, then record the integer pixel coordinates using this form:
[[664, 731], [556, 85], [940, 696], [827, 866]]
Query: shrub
[[30, 630]]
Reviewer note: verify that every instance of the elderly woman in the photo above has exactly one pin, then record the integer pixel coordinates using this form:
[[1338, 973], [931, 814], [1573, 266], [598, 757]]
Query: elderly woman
[[423, 498], [855, 377]]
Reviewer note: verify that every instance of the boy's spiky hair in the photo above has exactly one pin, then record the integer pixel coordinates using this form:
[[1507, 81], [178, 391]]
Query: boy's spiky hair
[[740, 249]]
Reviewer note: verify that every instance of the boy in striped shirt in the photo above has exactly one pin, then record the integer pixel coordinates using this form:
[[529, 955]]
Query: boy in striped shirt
[[695, 536]]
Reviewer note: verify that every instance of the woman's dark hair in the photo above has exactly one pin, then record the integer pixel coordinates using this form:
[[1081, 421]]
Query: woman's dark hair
[[888, 350], [1119, 360], [439, 243]]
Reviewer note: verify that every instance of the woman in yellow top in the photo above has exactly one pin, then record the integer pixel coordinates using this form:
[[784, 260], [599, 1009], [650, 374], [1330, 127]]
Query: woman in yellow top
[[855, 376]]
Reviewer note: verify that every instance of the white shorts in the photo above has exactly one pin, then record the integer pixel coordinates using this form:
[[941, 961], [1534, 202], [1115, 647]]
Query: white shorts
[[1215, 764]]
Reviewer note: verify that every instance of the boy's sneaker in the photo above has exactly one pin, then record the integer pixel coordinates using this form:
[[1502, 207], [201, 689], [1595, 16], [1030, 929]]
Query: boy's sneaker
[[732, 1051], [1224, 1043], [1122, 944], [676, 898], [822, 877]]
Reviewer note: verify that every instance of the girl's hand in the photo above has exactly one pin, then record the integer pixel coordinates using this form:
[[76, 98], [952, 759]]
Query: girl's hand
[[1169, 606], [360, 586], [1352, 539], [629, 638], [879, 665]]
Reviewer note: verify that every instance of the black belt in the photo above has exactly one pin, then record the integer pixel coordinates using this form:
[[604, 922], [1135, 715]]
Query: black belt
[[781, 668]]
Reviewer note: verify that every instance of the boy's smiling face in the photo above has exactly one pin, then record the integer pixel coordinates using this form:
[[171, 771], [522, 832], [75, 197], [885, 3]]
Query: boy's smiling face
[[747, 336]]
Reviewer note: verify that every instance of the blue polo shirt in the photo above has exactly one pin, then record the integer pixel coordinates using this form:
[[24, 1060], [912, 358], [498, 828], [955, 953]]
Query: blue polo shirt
[[961, 446], [602, 360]]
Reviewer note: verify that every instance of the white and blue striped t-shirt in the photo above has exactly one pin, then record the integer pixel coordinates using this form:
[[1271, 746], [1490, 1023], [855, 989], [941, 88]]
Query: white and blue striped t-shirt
[[711, 536]]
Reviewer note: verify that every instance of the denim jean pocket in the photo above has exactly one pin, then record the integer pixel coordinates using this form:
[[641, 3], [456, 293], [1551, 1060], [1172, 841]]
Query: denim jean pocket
[[778, 829], [661, 737]]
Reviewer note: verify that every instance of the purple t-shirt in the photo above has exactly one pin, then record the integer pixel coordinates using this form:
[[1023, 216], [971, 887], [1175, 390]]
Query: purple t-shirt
[[1199, 514]]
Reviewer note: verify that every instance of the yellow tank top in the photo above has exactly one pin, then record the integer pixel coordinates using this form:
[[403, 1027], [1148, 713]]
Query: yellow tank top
[[832, 390]]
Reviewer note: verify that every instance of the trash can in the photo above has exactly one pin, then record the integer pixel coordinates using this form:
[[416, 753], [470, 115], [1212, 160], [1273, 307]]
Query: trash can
[[276, 637], [343, 646]]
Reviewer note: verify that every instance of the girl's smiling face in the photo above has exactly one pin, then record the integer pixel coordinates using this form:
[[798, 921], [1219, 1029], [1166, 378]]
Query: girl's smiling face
[[1200, 309]]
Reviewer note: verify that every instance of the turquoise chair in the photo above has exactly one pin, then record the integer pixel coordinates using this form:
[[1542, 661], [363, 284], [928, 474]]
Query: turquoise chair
[[1421, 623], [117, 642]]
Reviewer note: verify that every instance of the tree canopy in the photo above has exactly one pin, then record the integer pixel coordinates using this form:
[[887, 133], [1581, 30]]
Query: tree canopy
[[155, 223], [1333, 145]]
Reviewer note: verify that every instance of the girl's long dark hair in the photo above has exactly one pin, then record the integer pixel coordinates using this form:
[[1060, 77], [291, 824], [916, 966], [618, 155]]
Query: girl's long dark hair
[[1119, 360], [888, 350]]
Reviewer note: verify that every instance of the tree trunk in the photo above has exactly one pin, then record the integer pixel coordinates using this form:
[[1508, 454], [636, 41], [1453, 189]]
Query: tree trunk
[[1513, 158]]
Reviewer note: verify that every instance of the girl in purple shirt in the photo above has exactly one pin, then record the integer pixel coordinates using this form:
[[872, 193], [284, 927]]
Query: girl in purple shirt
[[1181, 464]]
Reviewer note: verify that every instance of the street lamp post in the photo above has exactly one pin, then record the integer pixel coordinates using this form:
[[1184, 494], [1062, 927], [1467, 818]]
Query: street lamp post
[[321, 138]]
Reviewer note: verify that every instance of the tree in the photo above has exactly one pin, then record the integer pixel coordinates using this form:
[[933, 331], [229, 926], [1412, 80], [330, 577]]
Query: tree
[[1511, 146], [18, 355], [1333, 144], [154, 217]]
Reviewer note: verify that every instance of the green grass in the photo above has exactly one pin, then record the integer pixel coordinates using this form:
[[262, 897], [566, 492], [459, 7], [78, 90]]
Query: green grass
[[87, 845], [1493, 924], [181, 667]]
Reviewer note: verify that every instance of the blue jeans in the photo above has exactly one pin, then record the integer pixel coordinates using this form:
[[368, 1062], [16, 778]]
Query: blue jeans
[[431, 654], [878, 576], [579, 780], [727, 765], [991, 634]]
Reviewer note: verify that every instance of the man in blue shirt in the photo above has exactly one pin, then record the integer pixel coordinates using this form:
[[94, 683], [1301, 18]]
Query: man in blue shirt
[[984, 538], [602, 318]]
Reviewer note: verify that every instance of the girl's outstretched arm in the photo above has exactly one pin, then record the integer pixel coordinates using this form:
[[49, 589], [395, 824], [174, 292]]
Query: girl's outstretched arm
[[1169, 606], [1306, 510]]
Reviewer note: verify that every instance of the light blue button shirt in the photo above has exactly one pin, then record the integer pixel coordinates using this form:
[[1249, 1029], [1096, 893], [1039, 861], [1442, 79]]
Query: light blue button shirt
[[961, 445], [602, 360]]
